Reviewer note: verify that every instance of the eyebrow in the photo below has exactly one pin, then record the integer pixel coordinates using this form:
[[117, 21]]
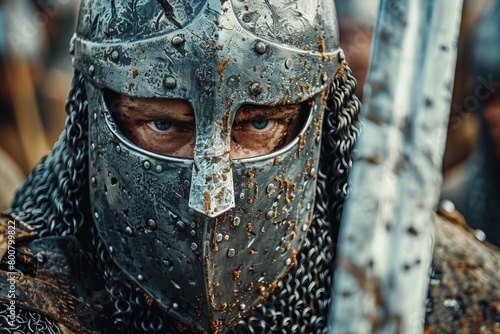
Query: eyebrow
[[252, 112], [155, 108]]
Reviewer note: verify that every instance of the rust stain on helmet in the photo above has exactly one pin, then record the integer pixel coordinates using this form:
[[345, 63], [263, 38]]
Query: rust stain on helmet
[[222, 65]]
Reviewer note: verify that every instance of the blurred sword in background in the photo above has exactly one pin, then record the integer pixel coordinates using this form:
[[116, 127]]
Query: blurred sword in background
[[386, 235]]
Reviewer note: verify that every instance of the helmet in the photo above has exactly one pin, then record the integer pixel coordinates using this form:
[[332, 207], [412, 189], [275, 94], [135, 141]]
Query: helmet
[[207, 238]]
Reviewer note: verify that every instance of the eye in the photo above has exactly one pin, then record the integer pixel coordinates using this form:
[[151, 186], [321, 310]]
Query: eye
[[160, 126], [261, 124]]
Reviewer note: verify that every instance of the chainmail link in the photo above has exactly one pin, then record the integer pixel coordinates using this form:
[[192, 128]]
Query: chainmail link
[[53, 197], [26, 322], [54, 201]]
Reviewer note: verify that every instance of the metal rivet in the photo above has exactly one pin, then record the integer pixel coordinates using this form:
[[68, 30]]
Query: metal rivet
[[40, 258], [231, 252], [324, 77], [129, 231], [313, 172], [193, 233], [118, 149], [269, 215], [193, 224], [260, 47], [175, 306], [181, 225], [93, 181], [159, 168], [288, 63], [115, 56], [140, 278], [288, 261], [256, 88], [186, 183], [177, 41], [226, 237], [246, 18], [480, 235], [341, 56], [242, 307], [152, 224], [92, 70], [95, 116], [194, 246], [92, 146], [111, 249], [236, 221], [218, 238], [270, 188], [308, 206], [96, 215], [447, 205], [146, 164], [242, 196], [170, 82]]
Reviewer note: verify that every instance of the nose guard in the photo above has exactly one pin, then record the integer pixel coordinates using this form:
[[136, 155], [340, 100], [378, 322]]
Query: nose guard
[[212, 191]]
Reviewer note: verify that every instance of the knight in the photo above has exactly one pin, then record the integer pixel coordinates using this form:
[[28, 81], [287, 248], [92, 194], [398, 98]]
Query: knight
[[199, 184]]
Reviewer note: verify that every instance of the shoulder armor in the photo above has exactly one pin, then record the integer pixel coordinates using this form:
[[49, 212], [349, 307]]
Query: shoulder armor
[[465, 281], [45, 276]]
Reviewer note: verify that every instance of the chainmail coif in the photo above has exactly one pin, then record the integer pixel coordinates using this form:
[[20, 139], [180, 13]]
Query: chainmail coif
[[54, 200]]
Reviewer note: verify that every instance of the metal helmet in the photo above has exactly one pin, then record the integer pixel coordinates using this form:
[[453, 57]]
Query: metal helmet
[[206, 238]]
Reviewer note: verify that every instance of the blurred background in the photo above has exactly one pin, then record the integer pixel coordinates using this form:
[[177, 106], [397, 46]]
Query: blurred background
[[35, 74]]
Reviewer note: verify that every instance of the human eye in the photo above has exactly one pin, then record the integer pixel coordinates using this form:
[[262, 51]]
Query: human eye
[[259, 126], [159, 126], [164, 126], [260, 130]]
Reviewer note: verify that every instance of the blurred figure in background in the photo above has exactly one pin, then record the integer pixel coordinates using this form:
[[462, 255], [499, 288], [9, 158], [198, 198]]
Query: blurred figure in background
[[357, 21], [480, 199]]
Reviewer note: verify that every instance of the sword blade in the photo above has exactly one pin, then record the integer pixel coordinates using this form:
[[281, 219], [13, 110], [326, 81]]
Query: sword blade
[[385, 242]]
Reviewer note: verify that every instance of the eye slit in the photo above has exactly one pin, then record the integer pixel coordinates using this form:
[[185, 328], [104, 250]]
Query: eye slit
[[160, 126], [260, 124]]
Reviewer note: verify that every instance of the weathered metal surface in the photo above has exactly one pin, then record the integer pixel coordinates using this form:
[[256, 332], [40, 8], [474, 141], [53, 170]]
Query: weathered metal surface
[[464, 291], [215, 235], [200, 63], [387, 232]]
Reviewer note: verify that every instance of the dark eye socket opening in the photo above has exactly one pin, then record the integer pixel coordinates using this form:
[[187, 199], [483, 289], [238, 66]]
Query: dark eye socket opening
[[111, 99], [304, 112], [288, 121]]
